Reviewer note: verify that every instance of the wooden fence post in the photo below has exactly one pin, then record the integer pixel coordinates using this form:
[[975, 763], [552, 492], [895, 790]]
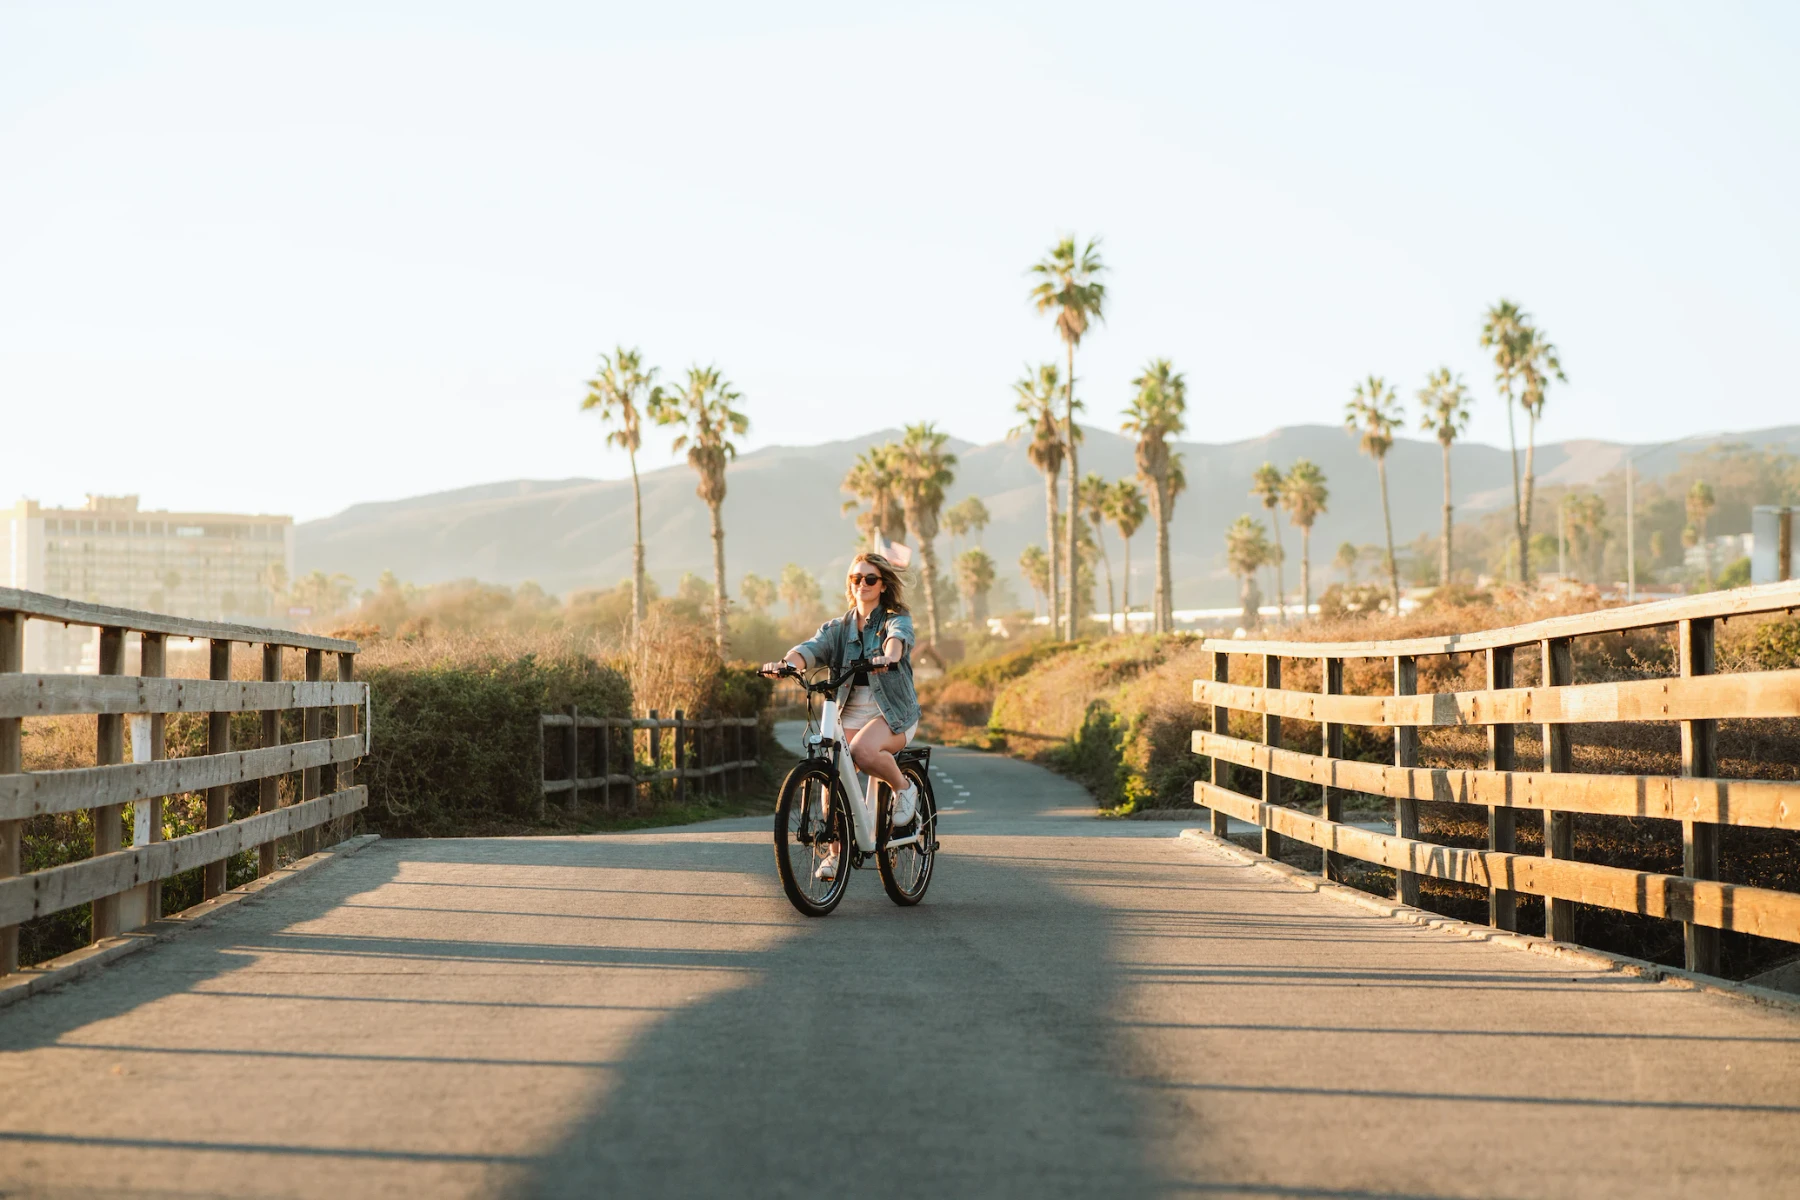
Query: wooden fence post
[[1503, 904], [541, 803], [572, 756], [680, 761], [109, 748], [12, 762], [655, 751], [1271, 729], [1406, 754], [309, 731], [606, 764], [1699, 760], [268, 791], [1221, 725], [346, 725], [1559, 827], [218, 741], [153, 663], [1331, 683]]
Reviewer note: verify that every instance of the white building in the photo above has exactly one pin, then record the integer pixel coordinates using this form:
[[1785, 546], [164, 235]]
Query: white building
[[210, 566]]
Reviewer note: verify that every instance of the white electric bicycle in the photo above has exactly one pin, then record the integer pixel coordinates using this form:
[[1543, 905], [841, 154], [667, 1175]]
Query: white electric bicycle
[[823, 810]]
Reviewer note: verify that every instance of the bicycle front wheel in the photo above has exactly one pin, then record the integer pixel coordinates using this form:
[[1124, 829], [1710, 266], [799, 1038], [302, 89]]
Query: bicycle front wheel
[[906, 870], [812, 837]]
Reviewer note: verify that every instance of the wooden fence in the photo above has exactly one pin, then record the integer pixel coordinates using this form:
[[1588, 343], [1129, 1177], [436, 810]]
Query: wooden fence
[[124, 885], [1696, 699], [732, 751]]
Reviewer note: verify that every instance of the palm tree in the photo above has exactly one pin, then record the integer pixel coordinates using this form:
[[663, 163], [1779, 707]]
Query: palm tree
[[1157, 413], [1345, 561], [1069, 283], [966, 516], [1095, 498], [1303, 494], [923, 474], [1247, 548], [1700, 504], [703, 412], [1035, 567], [975, 578], [1538, 362], [1037, 404], [1375, 412], [620, 391], [1127, 509], [799, 589], [872, 481], [1500, 334], [1265, 485], [758, 592], [1444, 411]]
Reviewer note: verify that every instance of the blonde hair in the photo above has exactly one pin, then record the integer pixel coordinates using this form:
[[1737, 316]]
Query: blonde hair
[[893, 586]]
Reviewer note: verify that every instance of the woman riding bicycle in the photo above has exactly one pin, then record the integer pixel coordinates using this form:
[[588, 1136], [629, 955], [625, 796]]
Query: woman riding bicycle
[[878, 709]]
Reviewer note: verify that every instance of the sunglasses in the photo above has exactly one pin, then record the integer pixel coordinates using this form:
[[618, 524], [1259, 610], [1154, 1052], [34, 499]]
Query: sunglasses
[[865, 580]]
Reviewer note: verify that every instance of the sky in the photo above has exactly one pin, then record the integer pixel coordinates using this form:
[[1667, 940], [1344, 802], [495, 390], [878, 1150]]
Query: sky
[[286, 258]]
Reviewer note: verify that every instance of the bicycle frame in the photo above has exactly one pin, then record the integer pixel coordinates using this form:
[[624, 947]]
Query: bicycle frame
[[862, 805]]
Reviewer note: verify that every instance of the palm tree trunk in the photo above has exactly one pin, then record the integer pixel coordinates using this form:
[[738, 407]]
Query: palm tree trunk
[[928, 553], [1305, 571], [637, 549], [1126, 598], [1280, 575], [1165, 603], [1512, 441], [1072, 568], [1050, 540], [1525, 503], [718, 537], [1387, 522], [1444, 550], [1106, 558]]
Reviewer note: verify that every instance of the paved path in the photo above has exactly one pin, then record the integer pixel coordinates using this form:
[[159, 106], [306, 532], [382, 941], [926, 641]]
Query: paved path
[[1080, 1008]]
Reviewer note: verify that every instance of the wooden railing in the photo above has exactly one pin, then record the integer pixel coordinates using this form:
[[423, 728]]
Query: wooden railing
[[123, 884], [614, 746], [1696, 698]]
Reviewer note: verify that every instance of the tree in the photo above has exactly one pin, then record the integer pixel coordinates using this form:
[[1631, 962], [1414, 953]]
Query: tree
[[923, 472], [1345, 561], [1303, 494], [1538, 363], [1700, 503], [966, 516], [1126, 507], [758, 592], [872, 481], [1247, 549], [703, 413], [620, 393], [1035, 567], [1037, 404], [975, 579], [1265, 485], [799, 589], [1374, 412], [1444, 411], [1157, 413], [1095, 497], [1500, 336], [1069, 284]]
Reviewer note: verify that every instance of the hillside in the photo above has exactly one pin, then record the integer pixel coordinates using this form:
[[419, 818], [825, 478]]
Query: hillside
[[783, 505]]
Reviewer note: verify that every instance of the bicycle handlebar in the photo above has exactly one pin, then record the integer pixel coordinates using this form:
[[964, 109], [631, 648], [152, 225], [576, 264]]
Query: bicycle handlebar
[[851, 669]]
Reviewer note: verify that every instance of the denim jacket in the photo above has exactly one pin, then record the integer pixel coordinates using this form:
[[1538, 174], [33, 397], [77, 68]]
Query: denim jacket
[[837, 643]]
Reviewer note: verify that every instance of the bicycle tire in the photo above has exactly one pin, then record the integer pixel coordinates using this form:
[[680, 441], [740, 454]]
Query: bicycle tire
[[800, 828], [906, 870]]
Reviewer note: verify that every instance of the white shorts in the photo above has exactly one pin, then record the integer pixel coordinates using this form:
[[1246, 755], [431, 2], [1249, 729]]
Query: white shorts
[[860, 708]]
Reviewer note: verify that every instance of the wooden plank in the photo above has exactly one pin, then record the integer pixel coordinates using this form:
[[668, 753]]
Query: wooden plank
[[49, 695], [218, 741], [1765, 598], [1221, 723], [108, 819], [1559, 827], [1503, 905], [75, 612], [35, 793], [1753, 803], [268, 789], [1406, 755], [1760, 911], [1271, 735], [12, 761], [1743, 694], [309, 732], [1699, 758], [56, 888], [153, 663]]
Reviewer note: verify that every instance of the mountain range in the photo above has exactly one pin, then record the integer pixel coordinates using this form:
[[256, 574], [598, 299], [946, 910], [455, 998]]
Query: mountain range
[[783, 505]]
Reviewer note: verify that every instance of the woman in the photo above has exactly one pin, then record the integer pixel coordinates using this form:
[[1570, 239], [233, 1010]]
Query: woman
[[879, 709]]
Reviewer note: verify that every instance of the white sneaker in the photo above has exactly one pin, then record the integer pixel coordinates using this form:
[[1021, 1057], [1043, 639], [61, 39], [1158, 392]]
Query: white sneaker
[[906, 806], [828, 869]]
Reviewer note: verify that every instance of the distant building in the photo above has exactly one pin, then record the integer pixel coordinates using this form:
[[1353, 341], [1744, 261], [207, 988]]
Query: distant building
[[210, 566]]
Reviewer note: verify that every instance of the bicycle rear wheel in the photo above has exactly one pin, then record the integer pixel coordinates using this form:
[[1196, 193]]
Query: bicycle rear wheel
[[811, 823], [906, 870]]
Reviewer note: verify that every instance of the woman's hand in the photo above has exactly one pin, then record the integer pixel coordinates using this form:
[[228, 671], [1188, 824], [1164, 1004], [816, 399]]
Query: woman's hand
[[773, 668], [879, 664]]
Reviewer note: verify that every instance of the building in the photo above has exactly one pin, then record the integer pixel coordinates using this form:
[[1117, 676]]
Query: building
[[209, 566]]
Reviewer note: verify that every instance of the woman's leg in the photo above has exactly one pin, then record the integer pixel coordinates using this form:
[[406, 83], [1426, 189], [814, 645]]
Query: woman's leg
[[872, 750]]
